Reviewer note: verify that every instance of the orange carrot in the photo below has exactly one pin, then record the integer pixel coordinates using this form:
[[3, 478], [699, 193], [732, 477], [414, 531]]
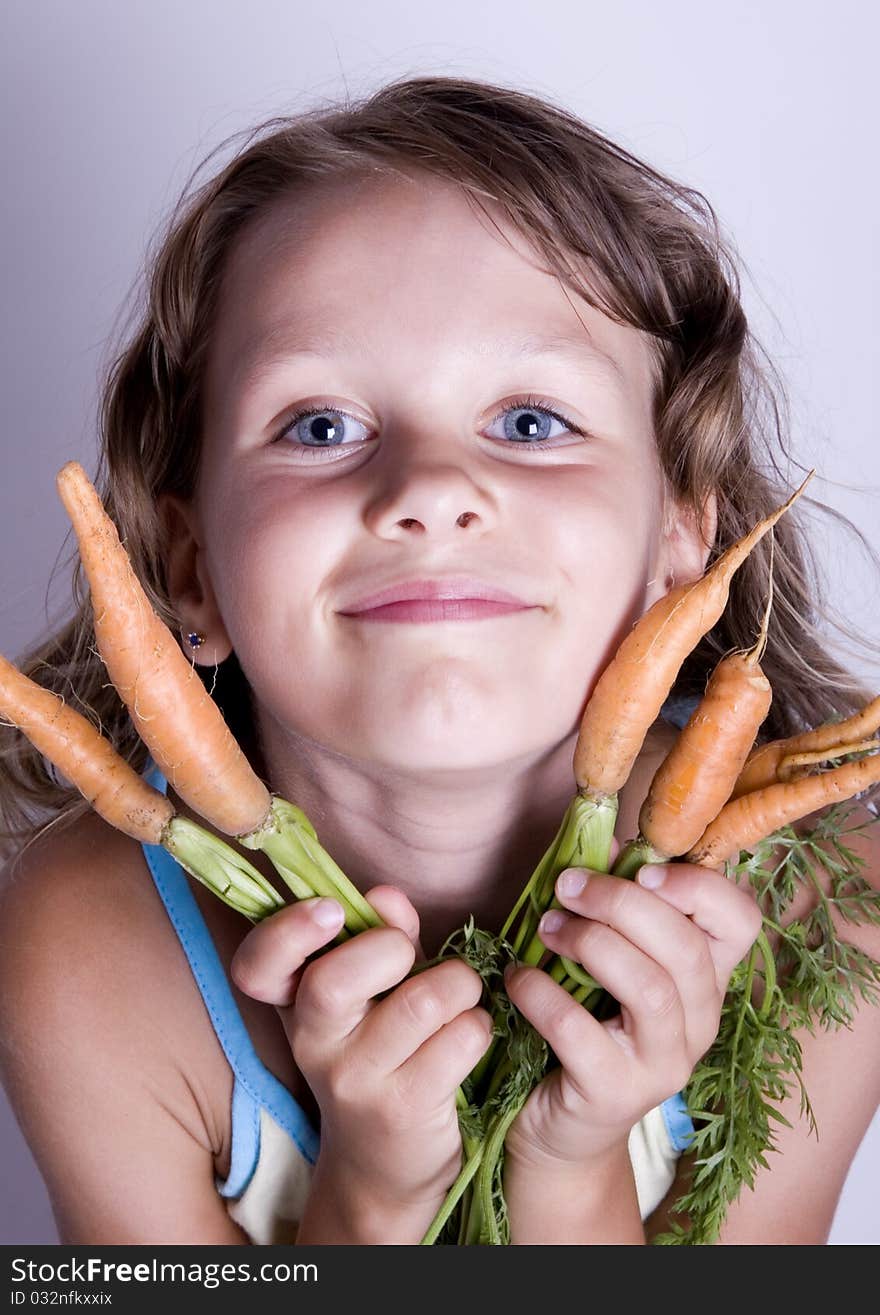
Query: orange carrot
[[84, 757], [171, 709], [762, 765], [693, 782], [746, 821], [630, 692], [796, 765], [124, 799]]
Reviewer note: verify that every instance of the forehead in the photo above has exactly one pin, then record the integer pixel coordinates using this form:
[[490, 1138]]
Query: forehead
[[368, 259]]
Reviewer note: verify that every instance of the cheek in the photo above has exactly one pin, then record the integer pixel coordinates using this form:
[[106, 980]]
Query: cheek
[[268, 561], [603, 533]]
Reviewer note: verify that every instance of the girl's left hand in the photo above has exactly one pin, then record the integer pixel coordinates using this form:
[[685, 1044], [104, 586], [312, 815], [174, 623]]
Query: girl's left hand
[[666, 953]]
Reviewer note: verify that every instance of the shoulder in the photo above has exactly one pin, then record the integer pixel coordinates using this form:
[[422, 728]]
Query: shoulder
[[82, 920], [106, 1053]]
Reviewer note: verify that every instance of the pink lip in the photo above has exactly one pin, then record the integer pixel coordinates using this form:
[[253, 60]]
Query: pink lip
[[453, 589], [438, 609]]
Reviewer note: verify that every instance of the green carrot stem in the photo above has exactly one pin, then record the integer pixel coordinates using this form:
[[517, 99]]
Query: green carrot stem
[[290, 841], [585, 843], [769, 973], [225, 872], [634, 855], [493, 1150], [470, 1167], [589, 999], [582, 840], [556, 970], [577, 974]]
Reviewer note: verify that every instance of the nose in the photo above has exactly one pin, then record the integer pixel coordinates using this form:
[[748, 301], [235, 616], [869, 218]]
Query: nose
[[430, 498]]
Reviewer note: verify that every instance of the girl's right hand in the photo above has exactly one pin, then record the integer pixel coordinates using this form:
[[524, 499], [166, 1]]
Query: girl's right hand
[[384, 1072]]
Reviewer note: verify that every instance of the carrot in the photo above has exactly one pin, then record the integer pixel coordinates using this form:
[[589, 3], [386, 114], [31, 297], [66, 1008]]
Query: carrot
[[694, 780], [84, 757], [762, 765], [745, 821], [172, 711], [795, 765], [124, 799], [630, 692]]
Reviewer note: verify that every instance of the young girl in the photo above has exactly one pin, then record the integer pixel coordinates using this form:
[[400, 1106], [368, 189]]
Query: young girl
[[433, 397]]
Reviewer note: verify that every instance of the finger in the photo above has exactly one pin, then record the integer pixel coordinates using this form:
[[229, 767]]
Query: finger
[[726, 912], [336, 991], [654, 1018], [417, 1009], [395, 909], [655, 926], [267, 963], [585, 1050], [444, 1061]]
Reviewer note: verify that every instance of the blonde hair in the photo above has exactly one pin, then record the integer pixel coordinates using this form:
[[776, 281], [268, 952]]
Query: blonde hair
[[639, 246]]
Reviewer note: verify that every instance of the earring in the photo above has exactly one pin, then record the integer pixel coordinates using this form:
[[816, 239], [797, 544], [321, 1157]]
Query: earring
[[195, 640]]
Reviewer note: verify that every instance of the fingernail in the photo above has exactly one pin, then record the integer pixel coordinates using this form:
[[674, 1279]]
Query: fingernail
[[509, 971], [327, 913], [651, 876], [552, 921], [571, 882]]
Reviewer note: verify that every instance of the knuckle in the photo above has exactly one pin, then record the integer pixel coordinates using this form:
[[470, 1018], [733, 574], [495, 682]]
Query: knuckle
[[693, 955], [395, 942], [408, 1104], [563, 1023], [475, 1029], [322, 989], [343, 1092], [421, 1002], [465, 981], [658, 994]]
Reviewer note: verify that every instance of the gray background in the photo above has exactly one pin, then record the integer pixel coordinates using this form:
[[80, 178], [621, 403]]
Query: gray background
[[769, 109]]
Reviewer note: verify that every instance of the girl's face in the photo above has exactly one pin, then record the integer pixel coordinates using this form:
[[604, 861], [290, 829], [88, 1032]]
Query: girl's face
[[431, 354]]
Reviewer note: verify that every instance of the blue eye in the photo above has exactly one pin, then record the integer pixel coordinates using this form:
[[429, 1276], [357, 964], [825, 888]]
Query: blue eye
[[529, 428], [327, 427]]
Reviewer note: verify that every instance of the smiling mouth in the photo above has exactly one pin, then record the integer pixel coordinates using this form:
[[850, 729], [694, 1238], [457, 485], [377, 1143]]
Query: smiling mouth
[[428, 610]]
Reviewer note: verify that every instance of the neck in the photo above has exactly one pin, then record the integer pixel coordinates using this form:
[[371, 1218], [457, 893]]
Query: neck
[[459, 847]]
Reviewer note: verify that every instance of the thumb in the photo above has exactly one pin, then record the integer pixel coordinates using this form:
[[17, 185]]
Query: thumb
[[395, 909]]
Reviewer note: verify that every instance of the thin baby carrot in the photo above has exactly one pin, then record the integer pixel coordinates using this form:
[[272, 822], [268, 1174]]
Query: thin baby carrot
[[762, 765], [172, 711], [84, 757], [124, 799], [796, 765], [694, 780], [746, 821], [630, 692]]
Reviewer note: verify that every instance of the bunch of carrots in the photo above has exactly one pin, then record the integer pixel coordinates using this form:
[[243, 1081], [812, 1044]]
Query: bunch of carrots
[[714, 796]]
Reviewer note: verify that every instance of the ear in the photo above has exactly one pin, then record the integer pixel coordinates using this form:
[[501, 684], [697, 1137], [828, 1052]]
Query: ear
[[189, 582], [687, 540]]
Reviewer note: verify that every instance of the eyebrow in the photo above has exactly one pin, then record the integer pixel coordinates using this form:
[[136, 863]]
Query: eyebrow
[[277, 347]]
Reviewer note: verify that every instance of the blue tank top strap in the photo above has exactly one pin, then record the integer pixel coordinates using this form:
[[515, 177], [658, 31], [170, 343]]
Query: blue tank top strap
[[254, 1086]]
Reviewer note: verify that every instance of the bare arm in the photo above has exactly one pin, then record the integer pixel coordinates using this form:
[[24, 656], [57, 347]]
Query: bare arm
[[90, 1059]]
